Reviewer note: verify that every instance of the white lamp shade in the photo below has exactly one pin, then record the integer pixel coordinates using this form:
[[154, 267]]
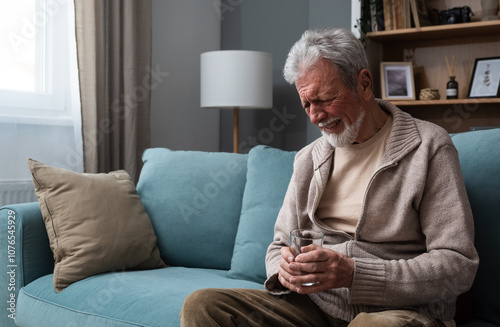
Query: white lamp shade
[[236, 78]]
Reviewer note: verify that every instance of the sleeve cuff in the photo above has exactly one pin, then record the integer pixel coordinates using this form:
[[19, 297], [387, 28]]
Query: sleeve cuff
[[368, 283], [274, 287]]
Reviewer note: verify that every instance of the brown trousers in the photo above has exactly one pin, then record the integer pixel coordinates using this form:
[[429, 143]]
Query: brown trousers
[[252, 308]]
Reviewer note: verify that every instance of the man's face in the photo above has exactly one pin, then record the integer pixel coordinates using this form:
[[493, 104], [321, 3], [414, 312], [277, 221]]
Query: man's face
[[330, 104]]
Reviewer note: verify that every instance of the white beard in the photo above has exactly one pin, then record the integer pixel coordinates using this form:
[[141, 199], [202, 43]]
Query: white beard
[[348, 135]]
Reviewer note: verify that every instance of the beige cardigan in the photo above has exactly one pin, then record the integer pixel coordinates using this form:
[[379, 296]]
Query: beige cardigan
[[413, 246]]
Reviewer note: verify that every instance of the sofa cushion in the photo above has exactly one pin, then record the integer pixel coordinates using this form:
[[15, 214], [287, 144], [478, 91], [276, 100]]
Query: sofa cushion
[[150, 298], [95, 222], [194, 201], [268, 174], [479, 154]]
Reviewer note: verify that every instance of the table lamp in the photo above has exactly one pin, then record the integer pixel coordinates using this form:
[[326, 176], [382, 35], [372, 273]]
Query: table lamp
[[236, 79]]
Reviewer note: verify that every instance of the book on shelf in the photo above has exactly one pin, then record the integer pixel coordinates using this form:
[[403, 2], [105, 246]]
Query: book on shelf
[[399, 14], [422, 13], [372, 16], [377, 15], [388, 16]]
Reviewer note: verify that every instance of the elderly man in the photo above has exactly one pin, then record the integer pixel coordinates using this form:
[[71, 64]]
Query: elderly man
[[385, 189]]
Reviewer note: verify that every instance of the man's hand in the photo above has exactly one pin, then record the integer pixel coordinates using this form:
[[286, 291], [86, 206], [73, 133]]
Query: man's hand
[[327, 268]]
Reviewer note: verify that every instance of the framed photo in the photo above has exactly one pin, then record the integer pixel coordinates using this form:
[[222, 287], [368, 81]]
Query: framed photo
[[485, 81], [397, 81]]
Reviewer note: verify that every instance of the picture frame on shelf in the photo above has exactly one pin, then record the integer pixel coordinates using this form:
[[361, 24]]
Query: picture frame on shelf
[[485, 80], [396, 79]]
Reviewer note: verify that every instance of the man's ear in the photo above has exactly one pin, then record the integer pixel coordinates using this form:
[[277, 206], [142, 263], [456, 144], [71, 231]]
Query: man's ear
[[364, 85]]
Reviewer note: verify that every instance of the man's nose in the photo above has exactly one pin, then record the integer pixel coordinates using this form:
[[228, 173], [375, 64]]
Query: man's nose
[[316, 113]]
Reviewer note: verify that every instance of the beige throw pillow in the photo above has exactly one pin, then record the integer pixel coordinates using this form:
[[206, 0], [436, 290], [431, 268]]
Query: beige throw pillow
[[96, 223]]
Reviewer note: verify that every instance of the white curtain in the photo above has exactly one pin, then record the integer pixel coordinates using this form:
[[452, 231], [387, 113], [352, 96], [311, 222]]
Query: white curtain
[[40, 113]]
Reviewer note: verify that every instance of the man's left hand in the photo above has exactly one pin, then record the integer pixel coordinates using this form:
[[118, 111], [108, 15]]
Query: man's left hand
[[327, 268]]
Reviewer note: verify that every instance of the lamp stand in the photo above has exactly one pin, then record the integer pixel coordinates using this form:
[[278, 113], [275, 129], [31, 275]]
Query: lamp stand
[[236, 132]]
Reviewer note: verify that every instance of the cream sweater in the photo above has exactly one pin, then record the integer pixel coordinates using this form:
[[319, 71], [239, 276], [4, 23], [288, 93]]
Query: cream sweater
[[342, 200], [413, 245]]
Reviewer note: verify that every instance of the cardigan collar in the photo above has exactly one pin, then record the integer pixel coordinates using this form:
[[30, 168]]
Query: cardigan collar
[[403, 138]]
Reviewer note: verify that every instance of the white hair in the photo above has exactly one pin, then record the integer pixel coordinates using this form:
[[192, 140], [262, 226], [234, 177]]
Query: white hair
[[338, 45]]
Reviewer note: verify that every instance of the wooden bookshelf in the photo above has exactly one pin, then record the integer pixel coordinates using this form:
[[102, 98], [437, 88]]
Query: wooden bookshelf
[[427, 47], [437, 32], [447, 102]]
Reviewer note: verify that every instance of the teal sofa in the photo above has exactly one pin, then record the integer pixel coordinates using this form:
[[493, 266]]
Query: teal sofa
[[213, 215]]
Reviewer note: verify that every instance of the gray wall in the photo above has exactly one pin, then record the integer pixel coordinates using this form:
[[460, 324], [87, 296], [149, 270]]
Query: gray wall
[[182, 30], [274, 26]]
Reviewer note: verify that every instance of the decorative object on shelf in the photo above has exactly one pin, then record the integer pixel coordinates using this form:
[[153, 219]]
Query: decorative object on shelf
[[490, 9], [485, 81], [397, 81], [236, 79], [452, 85], [452, 88], [455, 15], [429, 94]]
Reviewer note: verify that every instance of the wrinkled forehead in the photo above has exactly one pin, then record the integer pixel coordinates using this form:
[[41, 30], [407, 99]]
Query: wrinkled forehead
[[321, 71], [306, 67]]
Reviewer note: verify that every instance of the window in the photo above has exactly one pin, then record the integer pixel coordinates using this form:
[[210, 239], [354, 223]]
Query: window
[[35, 57], [39, 93]]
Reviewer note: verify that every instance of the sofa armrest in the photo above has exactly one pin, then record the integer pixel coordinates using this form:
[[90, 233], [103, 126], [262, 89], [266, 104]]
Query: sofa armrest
[[25, 253]]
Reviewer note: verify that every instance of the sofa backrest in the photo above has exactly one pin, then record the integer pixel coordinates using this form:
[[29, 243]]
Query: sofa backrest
[[194, 202], [479, 154], [215, 210], [268, 175]]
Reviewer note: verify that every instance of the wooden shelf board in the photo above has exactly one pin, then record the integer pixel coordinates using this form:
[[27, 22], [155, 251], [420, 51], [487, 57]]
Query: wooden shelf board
[[445, 102], [437, 32]]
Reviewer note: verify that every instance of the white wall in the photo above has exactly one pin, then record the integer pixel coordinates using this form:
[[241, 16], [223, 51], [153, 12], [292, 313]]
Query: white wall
[[182, 30]]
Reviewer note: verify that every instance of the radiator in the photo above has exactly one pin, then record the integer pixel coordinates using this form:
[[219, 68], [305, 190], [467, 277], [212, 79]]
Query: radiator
[[19, 191]]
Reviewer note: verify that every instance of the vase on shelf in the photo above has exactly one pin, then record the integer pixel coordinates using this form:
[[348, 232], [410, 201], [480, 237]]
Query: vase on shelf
[[490, 9], [452, 88]]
